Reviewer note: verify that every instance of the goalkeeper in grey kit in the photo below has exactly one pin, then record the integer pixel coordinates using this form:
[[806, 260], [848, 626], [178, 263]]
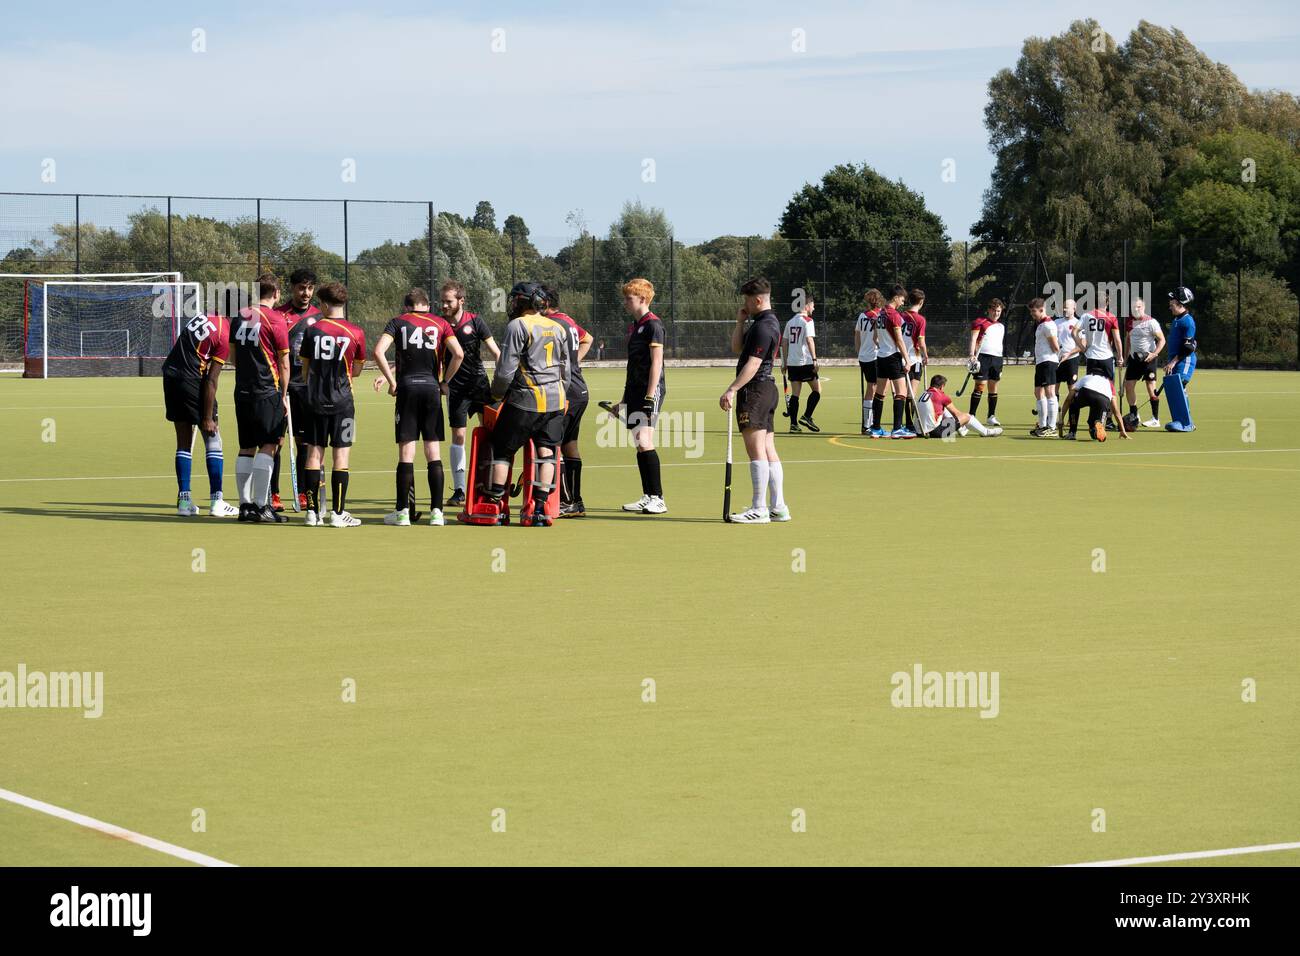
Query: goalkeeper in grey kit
[[532, 381]]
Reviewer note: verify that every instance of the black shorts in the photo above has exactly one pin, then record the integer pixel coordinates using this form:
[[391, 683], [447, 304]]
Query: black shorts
[[633, 399], [299, 412], [333, 429], [418, 413], [1096, 404], [990, 368], [947, 426], [915, 371], [573, 419], [260, 419], [467, 400], [1103, 367], [756, 405], [183, 398], [1045, 374], [516, 425], [868, 370], [889, 367], [1143, 370], [1067, 372], [803, 373]]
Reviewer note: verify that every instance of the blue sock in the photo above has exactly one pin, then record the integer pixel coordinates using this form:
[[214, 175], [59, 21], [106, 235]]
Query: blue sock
[[216, 464], [183, 462]]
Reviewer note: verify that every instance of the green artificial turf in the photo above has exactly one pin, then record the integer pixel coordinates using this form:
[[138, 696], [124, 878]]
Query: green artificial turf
[[522, 689]]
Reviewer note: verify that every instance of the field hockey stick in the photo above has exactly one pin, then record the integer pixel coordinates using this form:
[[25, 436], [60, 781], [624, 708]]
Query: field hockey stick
[[969, 373], [785, 387], [726, 483], [911, 397], [293, 458], [862, 393]]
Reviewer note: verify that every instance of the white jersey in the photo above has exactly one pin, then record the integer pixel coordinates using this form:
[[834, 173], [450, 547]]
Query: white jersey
[[1142, 337], [991, 343], [1065, 326], [930, 411], [866, 327], [1043, 335], [797, 333], [1095, 329], [1096, 383]]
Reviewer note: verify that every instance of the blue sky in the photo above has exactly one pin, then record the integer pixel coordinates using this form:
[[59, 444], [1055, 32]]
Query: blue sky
[[733, 117]]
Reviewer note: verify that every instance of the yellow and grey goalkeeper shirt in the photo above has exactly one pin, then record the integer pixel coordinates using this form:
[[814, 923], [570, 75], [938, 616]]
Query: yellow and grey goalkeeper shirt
[[534, 369]]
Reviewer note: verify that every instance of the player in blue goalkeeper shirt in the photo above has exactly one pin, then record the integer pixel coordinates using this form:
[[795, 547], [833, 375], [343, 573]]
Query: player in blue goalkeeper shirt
[[1182, 336]]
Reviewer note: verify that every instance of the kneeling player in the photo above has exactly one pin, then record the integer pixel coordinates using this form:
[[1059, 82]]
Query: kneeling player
[[940, 418], [580, 340], [333, 352], [754, 396], [421, 338], [1097, 394], [532, 380], [197, 358]]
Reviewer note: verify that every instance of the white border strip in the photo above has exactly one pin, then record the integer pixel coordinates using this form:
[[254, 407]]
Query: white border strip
[[120, 833], [1197, 855]]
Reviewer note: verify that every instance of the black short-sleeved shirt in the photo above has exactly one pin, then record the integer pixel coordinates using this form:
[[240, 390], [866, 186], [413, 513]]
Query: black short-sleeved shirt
[[762, 340], [298, 322], [471, 332], [332, 346], [257, 340], [419, 339], [204, 339], [643, 337]]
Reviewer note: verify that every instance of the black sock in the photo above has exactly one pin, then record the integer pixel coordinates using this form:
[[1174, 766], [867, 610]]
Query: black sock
[[813, 399], [1155, 408], [435, 485], [1074, 419], [339, 485], [648, 462], [405, 487], [1132, 409], [571, 480], [275, 474], [993, 404], [311, 485], [877, 410], [899, 406], [793, 408], [975, 401]]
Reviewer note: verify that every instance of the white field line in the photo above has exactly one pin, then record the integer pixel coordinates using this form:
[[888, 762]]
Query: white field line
[[130, 836], [1196, 855], [789, 461]]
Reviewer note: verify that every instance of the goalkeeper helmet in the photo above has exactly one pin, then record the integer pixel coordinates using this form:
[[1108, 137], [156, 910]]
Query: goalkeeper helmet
[[1182, 295], [525, 296]]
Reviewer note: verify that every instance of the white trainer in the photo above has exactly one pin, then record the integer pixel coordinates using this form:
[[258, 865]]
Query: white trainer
[[655, 506], [436, 519], [639, 505], [312, 519], [342, 519], [1151, 423], [752, 516], [780, 514], [993, 421], [993, 432], [185, 507], [221, 508], [401, 519], [963, 431]]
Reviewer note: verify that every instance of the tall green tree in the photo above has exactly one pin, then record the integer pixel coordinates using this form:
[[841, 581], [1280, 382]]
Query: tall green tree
[[485, 216]]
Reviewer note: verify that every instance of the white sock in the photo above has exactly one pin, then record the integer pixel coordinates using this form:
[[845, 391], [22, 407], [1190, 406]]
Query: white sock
[[263, 465], [1053, 412], [244, 479], [1038, 410], [866, 413], [457, 467], [758, 475], [976, 425], [1042, 411], [776, 485]]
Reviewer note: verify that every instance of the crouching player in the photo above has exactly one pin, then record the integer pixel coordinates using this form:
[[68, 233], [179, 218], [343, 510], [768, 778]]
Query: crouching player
[[333, 351], [1096, 393], [940, 418], [195, 360], [532, 381], [422, 339]]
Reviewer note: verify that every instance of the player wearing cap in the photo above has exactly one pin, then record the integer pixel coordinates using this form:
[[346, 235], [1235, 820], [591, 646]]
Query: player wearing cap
[[753, 394], [532, 381], [643, 392], [1145, 343], [423, 341], [864, 341], [333, 352], [1046, 349], [918, 355], [1182, 337], [1096, 393], [940, 418], [890, 371], [799, 359], [299, 315], [580, 340], [469, 388], [986, 337]]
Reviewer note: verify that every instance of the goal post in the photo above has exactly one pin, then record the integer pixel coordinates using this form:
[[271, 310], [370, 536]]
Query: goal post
[[97, 328]]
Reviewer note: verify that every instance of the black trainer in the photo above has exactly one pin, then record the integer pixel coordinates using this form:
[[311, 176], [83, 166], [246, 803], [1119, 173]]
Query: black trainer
[[809, 424], [246, 512], [794, 427], [457, 500], [267, 515]]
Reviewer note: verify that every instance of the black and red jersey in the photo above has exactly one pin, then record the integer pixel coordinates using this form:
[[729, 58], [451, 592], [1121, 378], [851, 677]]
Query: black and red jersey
[[298, 321], [577, 384], [420, 342], [330, 347], [204, 340], [257, 339], [471, 331]]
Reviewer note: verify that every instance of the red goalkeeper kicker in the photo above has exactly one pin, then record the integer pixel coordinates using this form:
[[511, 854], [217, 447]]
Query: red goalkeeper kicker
[[480, 510]]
